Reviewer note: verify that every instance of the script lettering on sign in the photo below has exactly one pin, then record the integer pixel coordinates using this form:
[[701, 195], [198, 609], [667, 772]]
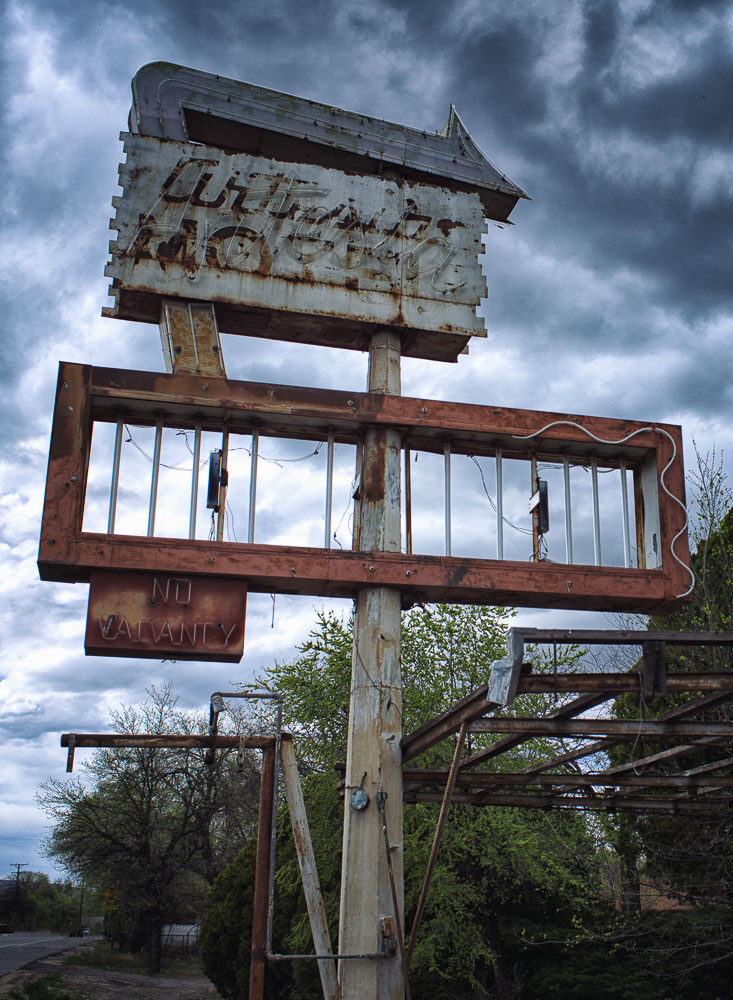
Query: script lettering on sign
[[250, 223], [196, 222], [161, 616]]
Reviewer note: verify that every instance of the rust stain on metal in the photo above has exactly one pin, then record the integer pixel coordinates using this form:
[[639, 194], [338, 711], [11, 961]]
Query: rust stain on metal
[[445, 225], [374, 474], [164, 615]]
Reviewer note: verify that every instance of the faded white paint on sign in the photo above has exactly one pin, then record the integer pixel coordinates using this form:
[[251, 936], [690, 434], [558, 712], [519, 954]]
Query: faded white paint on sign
[[196, 222]]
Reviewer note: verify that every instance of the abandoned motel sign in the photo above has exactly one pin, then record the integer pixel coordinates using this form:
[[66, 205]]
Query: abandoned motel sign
[[299, 221], [251, 212], [89, 396], [248, 211]]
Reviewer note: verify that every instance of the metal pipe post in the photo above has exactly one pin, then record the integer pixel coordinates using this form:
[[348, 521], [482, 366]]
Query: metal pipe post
[[373, 757], [253, 484], [408, 502], [499, 506], [194, 481], [329, 491], [262, 879], [221, 512], [154, 479], [536, 511], [114, 485]]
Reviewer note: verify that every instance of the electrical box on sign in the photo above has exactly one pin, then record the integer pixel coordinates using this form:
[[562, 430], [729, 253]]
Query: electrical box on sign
[[539, 502], [215, 479]]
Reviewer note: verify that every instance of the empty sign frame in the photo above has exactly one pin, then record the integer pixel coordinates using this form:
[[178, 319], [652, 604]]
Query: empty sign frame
[[646, 460]]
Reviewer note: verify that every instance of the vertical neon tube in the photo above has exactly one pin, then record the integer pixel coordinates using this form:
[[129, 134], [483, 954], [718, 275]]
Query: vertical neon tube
[[194, 481], [329, 491], [625, 512]]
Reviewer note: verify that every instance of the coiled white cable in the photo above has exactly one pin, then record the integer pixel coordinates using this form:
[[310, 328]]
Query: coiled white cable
[[623, 440]]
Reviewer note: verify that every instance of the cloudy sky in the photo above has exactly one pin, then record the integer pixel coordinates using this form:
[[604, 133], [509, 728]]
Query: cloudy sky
[[610, 295]]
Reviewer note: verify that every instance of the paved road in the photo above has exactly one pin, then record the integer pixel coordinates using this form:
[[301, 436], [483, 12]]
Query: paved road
[[17, 950]]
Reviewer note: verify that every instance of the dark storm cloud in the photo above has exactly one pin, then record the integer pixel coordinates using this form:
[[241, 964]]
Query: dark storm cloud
[[623, 164], [601, 33]]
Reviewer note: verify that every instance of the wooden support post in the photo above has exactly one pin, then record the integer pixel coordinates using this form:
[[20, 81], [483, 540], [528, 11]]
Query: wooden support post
[[262, 878], [373, 759], [308, 871], [221, 510], [190, 338]]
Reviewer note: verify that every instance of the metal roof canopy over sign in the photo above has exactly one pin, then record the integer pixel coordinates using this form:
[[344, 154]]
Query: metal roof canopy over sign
[[300, 221]]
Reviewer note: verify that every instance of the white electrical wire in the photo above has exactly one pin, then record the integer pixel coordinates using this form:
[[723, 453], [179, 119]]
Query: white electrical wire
[[623, 440]]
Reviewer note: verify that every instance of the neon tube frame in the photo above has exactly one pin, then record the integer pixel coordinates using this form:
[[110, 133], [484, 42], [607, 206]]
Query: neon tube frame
[[653, 452]]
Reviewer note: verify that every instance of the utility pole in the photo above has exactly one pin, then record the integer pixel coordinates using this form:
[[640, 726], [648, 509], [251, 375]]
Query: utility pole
[[18, 865], [373, 758]]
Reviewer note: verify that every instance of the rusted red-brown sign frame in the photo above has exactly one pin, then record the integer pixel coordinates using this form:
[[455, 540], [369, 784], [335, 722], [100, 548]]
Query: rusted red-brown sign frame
[[154, 615], [652, 451]]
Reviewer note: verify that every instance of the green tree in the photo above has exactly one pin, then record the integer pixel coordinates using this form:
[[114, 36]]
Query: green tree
[[505, 877], [687, 858], [152, 827]]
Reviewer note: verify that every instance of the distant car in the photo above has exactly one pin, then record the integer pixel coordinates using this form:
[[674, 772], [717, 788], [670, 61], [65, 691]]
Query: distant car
[[5, 929]]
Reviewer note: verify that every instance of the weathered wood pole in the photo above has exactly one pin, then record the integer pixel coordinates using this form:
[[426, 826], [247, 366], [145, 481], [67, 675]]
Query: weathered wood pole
[[373, 758]]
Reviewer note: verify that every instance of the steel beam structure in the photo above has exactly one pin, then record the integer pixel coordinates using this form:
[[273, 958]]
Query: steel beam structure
[[697, 727]]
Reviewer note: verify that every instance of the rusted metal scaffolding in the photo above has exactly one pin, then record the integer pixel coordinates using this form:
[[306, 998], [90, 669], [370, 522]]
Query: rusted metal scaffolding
[[699, 748], [686, 733], [277, 752]]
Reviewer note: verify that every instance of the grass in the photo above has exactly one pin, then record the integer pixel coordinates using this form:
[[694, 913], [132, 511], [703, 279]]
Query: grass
[[46, 988], [101, 956]]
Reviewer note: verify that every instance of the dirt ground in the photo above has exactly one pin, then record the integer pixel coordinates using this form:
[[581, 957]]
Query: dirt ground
[[99, 984]]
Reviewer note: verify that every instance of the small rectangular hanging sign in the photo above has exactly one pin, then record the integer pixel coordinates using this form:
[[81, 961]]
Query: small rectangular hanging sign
[[163, 616]]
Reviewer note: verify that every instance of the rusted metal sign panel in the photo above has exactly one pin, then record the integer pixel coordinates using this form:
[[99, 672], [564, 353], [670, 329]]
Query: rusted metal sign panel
[[659, 583], [175, 102], [161, 616], [271, 242]]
